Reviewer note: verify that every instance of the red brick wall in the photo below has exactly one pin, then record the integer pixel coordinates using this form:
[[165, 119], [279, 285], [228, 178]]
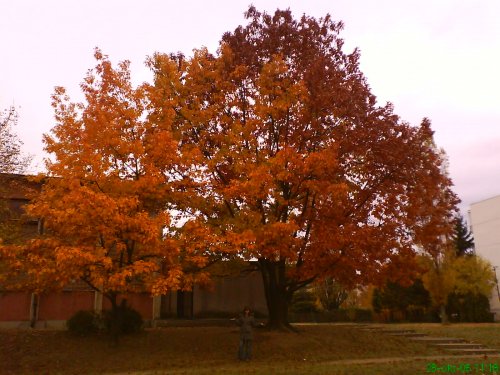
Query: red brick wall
[[62, 305], [15, 306]]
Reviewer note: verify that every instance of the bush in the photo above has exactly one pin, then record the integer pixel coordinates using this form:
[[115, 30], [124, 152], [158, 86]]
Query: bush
[[469, 307], [82, 323], [361, 315], [303, 302], [351, 315], [123, 320]]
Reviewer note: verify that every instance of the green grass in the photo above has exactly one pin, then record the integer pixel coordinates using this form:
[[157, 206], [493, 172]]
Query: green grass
[[315, 349]]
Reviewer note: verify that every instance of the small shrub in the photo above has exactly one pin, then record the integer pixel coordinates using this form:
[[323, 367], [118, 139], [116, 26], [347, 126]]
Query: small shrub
[[123, 320], [303, 302], [363, 315], [351, 315], [82, 323]]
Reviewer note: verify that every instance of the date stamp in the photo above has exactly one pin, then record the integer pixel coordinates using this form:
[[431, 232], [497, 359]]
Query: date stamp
[[463, 368]]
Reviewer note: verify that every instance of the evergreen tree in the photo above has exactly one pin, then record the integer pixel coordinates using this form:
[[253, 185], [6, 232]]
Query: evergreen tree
[[463, 239]]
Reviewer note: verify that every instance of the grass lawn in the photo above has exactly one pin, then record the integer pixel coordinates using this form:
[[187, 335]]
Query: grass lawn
[[315, 349]]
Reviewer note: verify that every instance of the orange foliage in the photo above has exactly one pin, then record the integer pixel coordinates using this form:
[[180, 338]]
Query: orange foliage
[[276, 150], [115, 174], [293, 150]]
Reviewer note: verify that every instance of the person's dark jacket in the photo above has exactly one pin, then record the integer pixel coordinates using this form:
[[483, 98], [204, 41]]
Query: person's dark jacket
[[246, 323]]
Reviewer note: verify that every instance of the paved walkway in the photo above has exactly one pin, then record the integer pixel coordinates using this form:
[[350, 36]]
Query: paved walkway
[[411, 358], [454, 346]]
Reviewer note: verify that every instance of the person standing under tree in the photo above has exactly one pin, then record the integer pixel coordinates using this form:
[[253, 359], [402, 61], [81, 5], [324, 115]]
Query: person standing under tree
[[246, 321]]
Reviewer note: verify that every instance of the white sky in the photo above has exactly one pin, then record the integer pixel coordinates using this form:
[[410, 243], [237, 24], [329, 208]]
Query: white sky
[[431, 58]]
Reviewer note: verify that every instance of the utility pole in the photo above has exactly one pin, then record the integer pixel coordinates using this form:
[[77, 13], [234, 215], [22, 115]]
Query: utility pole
[[496, 281]]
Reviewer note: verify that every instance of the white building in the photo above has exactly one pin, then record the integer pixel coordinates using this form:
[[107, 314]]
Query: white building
[[485, 222]]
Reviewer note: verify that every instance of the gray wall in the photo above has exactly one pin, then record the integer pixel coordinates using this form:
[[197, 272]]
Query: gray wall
[[230, 295]]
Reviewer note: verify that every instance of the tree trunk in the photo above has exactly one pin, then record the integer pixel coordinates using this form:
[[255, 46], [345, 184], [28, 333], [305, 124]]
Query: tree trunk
[[442, 314], [114, 318], [278, 295], [35, 303]]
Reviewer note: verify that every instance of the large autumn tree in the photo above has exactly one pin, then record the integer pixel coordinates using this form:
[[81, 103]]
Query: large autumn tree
[[106, 209], [272, 149], [294, 154]]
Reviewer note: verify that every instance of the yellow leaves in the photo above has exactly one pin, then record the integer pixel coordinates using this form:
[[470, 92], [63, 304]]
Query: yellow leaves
[[440, 278], [473, 275], [446, 273]]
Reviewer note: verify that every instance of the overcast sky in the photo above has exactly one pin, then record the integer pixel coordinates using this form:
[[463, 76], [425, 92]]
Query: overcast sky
[[431, 58]]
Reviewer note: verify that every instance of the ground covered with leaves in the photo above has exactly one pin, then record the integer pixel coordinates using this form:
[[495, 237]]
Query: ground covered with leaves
[[319, 349]]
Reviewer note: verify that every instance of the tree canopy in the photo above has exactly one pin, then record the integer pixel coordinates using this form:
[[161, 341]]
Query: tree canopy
[[451, 274], [104, 207], [273, 148], [299, 160]]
